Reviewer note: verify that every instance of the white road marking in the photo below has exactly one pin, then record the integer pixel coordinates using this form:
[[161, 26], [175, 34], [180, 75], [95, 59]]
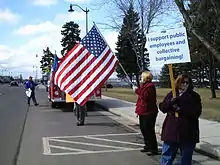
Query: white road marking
[[91, 152], [115, 141], [100, 135], [46, 145], [67, 148], [89, 144]]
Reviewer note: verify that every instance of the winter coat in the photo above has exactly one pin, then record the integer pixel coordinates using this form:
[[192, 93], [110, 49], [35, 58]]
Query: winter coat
[[146, 102], [31, 85], [184, 128]]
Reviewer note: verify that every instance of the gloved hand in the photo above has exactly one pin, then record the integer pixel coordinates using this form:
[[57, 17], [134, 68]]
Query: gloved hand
[[177, 108], [174, 100], [134, 87]]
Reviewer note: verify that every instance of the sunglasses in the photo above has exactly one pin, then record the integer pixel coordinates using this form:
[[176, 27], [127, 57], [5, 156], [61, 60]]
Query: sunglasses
[[185, 82]]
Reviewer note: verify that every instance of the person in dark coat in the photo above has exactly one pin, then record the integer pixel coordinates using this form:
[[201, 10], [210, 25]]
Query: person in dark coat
[[146, 109], [30, 84], [80, 113], [181, 126]]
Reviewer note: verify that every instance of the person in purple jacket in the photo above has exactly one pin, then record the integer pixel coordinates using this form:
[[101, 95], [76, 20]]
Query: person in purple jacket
[[30, 84], [181, 126]]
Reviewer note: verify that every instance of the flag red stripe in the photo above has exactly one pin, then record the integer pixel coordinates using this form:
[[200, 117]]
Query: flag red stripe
[[69, 63], [89, 74], [76, 67], [69, 53], [63, 60], [95, 78], [98, 86], [79, 73], [72, 50]]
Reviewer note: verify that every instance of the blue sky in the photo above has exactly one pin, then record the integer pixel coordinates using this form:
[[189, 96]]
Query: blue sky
[[29, 26]]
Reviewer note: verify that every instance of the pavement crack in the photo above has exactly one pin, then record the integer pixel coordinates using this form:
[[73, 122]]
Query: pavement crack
[[15, 160]]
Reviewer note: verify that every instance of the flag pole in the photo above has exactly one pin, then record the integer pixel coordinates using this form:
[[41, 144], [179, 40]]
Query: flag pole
[[127, 77]]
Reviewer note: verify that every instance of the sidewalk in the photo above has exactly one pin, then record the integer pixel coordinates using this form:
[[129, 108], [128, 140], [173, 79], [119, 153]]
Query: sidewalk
[[209, 130]]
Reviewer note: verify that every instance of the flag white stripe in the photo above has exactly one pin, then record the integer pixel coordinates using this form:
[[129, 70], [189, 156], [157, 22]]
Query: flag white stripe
[[73, 64], [70, 77], [70, 56], [84, 74], [64, 63], [94, 85], [93, 76]]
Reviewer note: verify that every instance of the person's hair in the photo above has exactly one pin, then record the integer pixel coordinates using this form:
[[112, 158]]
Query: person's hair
[[147, 76], [179, 80]]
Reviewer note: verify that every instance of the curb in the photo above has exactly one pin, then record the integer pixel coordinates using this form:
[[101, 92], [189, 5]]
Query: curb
[[207, 151]]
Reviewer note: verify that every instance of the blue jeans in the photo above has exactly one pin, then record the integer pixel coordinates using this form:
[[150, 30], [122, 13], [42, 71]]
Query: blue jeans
[[169, 152]]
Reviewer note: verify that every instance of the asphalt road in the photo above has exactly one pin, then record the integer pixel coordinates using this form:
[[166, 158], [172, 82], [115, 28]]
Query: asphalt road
[[51, 136], [13, 109]]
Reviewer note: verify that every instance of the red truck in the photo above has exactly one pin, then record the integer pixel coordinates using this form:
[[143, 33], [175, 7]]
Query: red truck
[[57, 97]]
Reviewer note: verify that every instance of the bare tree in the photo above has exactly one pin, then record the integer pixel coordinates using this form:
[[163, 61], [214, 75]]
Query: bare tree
[[199, 34], [150, 12]]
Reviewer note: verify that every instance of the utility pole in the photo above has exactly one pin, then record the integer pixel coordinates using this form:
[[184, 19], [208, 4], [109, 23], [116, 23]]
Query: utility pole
[[36, 74]]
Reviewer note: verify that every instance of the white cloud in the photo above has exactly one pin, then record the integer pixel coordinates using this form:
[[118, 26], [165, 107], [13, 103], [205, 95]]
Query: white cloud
[[66, 17], [43, 27], [44, 34], [7, 16], [44, 2], [77, 1], [23, 58], [5, 52], [111, 39], [50, 26]]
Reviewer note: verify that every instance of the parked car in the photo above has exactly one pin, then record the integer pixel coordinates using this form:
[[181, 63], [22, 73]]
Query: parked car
[[13, 83]]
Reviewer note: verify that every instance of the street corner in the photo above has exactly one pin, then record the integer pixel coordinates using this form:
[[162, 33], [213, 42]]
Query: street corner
[[91, 144]]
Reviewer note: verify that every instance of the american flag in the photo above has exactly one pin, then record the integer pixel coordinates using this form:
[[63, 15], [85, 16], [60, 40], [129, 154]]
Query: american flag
[[86, 67]]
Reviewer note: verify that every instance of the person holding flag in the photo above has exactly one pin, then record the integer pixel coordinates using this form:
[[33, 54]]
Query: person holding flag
[[85, 68]]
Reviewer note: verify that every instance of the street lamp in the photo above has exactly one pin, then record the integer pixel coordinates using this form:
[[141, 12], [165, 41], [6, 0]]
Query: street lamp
[[36, 73], [86, 11]]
